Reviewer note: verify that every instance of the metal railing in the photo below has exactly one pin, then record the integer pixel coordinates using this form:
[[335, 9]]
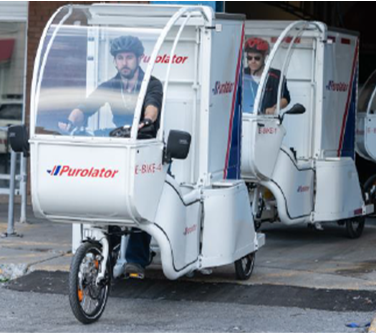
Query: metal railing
[[12, 191]]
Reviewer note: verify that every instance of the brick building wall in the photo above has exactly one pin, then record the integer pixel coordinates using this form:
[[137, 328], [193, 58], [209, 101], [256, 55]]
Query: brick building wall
[[39, 14]]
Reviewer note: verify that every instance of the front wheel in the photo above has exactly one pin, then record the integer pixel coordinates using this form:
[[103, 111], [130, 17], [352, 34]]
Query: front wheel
[[244, 266], [370, 190], [87, 298], [355, 226]]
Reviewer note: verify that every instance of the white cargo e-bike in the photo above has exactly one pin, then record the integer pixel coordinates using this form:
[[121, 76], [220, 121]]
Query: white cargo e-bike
[[182, 187], [299, 164]]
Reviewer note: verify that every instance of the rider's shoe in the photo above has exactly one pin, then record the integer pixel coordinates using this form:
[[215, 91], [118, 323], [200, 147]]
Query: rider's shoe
[[135, 271]]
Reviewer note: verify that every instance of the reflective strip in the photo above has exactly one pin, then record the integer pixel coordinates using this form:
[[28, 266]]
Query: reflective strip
[[346, 41]]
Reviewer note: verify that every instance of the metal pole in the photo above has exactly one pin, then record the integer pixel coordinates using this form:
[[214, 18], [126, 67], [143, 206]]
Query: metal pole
[[23, 189], [12, 184]]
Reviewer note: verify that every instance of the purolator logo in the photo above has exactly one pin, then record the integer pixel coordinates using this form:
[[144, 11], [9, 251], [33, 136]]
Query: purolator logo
[[302, 189], [334, 86], [66, 170], [223, 88]]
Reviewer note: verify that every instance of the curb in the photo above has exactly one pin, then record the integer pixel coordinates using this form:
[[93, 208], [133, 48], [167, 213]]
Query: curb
[[372, 327], [12, 271]]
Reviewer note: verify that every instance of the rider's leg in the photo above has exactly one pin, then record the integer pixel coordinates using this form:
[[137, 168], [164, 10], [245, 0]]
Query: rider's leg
[[138, 249]]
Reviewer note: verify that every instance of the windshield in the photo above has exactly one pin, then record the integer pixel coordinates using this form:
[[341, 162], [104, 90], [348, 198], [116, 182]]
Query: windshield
[[90, 76], [367, 93]]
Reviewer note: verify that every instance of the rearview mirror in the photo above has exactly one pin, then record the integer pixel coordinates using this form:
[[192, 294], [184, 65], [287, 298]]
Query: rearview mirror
[[178, 145], [19, 139], [296, 109]]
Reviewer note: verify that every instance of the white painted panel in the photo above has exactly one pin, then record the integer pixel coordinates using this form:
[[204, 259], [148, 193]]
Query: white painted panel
[[13, 10]]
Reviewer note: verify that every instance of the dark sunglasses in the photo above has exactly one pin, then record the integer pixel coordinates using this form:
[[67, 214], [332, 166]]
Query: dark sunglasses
[[257, 58]]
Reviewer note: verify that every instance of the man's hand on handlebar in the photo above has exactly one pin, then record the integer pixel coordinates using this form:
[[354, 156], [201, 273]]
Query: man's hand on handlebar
[[75, 119], [145, 130]]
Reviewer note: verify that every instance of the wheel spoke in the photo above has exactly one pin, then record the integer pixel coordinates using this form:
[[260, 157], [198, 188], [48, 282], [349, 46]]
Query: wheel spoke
[[83, 303], [91, 306]]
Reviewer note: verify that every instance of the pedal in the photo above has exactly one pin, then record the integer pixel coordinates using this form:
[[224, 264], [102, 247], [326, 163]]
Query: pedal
[[318, 226], [206, 271], [134, 271], [190, 275], [138, 276]]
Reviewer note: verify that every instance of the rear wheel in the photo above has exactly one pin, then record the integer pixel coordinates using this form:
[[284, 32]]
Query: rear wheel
[[355, 226], [244, 266], [370, 191], [87, 298]]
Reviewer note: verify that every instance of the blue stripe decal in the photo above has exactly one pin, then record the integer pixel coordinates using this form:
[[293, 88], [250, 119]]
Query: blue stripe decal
[[57, 170], [348, 146], [233, 169]]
